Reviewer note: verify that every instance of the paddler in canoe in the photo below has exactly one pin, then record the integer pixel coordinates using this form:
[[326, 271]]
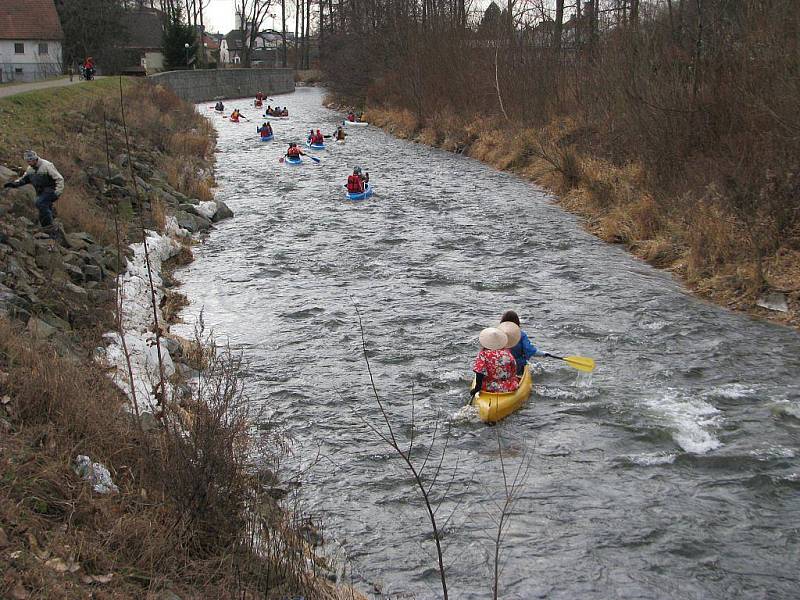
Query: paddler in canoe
[[265, 130], [356, 183], [294, 151], [219, 106], [523, 350], [495, 367], [340, 134], [236, 115], [259, 102], [316, 138]]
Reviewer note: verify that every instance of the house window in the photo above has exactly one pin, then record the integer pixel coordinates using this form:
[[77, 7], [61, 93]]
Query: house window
[[18, 70], [19, 48], [43, 49]]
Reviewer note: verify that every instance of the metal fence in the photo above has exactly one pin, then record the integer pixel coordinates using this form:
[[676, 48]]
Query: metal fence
[[25, 72]]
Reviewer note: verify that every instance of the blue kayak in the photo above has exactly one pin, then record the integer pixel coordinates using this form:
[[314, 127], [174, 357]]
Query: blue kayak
[[292, 160], [267, 138], [315, 146], [360, 196]]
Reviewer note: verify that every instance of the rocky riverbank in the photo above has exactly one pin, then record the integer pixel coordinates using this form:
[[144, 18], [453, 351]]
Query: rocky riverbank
[[93, 386]]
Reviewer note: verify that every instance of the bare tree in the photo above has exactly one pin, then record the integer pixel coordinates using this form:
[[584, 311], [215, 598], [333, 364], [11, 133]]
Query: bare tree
[[251, 15]]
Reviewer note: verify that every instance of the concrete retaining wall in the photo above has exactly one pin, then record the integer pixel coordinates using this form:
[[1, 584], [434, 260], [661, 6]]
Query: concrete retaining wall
[[203, 85]]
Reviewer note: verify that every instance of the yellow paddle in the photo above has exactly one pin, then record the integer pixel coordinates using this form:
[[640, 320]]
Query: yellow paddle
[[576, 362]]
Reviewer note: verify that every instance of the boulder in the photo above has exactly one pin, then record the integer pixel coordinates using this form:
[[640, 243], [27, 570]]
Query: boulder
[[79, 240], [223, 212], [192, 223], [143, 185], [39, 329], [25, 244], [75, 274], [93, 272], [6, 174], [11, 304]]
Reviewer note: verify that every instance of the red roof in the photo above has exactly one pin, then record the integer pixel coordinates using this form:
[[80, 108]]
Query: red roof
[[29, 20]]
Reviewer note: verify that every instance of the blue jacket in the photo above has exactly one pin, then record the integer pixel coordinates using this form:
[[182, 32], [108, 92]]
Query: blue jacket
[[523, 351]]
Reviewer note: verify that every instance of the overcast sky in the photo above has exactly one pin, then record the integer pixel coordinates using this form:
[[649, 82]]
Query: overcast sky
[[220, 16]]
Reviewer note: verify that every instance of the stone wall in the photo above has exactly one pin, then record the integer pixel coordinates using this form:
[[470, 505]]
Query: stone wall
[[209, 84]]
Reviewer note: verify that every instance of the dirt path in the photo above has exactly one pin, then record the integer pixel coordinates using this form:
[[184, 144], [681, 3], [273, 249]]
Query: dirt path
[[21, 88]]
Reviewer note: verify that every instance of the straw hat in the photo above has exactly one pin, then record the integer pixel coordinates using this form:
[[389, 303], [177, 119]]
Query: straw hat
[[512, 331], [492, 338]]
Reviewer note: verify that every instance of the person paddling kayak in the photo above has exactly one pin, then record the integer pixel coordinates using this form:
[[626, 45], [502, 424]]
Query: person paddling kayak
[[495, 368], [219, 106], [340, 134], [523, 350], [294, 151], [357, 181], [235, 115], [265, 130]]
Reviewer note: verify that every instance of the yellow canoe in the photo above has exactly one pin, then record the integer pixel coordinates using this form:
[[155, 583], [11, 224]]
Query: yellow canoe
[[493, 407]]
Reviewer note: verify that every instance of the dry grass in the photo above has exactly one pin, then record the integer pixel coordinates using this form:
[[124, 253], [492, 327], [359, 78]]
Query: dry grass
[[189, 512]]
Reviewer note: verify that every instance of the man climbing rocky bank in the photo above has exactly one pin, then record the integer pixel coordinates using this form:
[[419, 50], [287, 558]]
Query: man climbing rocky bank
[[46, 180]]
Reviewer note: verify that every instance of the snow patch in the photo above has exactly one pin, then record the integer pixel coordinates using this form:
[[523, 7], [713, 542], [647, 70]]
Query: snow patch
[[137, 319]]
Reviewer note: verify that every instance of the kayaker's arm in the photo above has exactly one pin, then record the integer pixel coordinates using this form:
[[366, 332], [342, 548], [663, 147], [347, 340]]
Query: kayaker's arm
[[478, 384]]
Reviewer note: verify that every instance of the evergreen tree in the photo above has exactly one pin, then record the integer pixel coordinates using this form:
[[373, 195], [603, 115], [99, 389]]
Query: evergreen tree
[[176, 35]]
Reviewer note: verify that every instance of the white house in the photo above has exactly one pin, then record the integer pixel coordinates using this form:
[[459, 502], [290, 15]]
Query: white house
[[30, 40]]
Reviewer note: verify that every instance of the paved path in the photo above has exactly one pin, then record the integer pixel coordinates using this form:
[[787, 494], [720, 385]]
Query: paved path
[[20, 88]]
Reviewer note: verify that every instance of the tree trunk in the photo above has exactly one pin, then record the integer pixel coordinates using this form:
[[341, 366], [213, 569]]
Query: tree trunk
[[283, 32], [298, 4], [308, 35], [559, 25]]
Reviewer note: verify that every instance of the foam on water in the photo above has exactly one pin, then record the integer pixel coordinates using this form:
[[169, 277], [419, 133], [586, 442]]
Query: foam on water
[[733, 391], [690, 420], [773, 452], [650, 460]]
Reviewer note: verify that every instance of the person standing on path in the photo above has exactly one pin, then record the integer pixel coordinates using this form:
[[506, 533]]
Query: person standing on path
[[46, 180]]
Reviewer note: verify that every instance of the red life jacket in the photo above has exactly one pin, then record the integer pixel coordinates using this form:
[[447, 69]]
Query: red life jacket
[[354, 184], [351, 118], [318, 139], [293, 151]]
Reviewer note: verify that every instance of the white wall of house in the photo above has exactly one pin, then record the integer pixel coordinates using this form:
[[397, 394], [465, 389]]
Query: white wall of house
[[29, 60], [154, 62]]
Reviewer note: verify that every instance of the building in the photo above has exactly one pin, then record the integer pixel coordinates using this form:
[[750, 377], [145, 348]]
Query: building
[[30, 40], [142, 46]]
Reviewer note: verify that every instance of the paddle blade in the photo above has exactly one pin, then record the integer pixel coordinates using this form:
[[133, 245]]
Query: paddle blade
[[581, 363], [314, 158]]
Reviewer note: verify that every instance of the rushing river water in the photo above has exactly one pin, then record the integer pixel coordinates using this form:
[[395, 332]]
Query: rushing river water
[[671, 472]]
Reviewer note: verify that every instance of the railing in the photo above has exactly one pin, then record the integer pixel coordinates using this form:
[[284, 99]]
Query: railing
[[23, 72]]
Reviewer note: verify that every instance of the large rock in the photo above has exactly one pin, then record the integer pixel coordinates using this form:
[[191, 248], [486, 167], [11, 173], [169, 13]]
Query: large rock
[[192, 223], [25, 244], [223, 212], [39, 329], [79, 240], [7, 174], [11, 304]]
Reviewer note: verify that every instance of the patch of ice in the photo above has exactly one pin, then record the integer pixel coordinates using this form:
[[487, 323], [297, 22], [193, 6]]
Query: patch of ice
[[137, 320], [690, 420]]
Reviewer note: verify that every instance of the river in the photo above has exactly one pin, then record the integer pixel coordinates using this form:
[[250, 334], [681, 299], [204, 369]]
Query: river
[[671, 472]]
